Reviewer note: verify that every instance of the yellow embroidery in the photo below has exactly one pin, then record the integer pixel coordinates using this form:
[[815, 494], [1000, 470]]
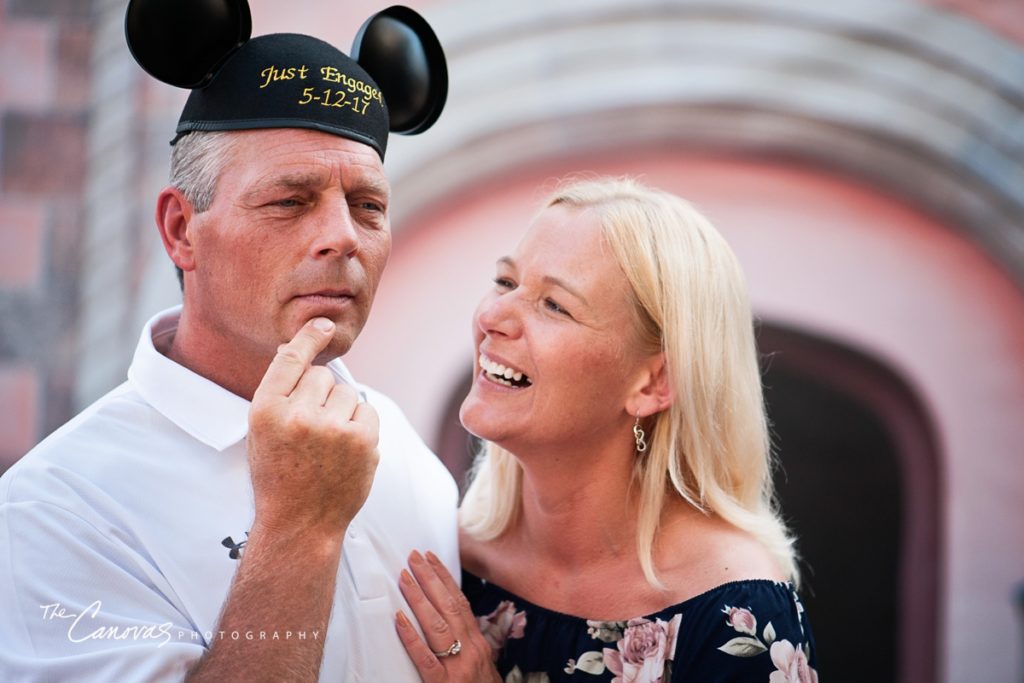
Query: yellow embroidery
[[332, 75], [345, 96], [334, 98], [273, 73]]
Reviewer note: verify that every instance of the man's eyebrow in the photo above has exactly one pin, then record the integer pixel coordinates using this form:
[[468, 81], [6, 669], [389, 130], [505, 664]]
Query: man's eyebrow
[[306, 180], [373, 186], [287, 181], [548, 279]]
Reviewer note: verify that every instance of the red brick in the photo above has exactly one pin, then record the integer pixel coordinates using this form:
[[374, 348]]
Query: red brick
[[43, 153], [74, 48], [21, 243], [62, 244], [19, 395], [27, 77], [49, 9]]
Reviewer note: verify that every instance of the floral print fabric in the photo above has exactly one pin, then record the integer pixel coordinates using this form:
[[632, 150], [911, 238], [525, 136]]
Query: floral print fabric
[[741, 631]]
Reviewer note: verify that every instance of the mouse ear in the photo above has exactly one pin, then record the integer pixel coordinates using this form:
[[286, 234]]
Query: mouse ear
[[402, 54], [182, 42]]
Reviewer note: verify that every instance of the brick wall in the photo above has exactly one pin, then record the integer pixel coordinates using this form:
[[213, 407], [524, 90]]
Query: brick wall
[[45, 49]]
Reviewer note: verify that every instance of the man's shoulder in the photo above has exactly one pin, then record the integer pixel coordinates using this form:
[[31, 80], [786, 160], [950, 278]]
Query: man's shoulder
[[112, 424], [386, 406], [399, 440], [393, 421]]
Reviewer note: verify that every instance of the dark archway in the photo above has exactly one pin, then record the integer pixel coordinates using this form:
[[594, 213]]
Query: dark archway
[[841, 490], [859, 481]]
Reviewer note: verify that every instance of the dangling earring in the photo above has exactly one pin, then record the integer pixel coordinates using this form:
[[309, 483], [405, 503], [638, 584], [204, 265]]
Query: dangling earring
[[638, 434]]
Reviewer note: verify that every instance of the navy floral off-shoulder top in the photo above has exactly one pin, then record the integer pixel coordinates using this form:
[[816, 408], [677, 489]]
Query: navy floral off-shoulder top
[[752, 630]]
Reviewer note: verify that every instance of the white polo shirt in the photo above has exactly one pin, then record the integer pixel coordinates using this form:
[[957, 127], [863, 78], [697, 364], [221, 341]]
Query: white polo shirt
[[114, 559]]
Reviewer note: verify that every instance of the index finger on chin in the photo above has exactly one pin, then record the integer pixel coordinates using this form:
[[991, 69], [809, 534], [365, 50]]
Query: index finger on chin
[[295, 357]]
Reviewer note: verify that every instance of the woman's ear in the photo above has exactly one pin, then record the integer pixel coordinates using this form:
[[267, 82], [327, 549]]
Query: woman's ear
[[653, 392], [174, 219]]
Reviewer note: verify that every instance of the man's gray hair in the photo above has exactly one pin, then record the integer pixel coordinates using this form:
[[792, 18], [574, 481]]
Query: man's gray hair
[[196, 164]]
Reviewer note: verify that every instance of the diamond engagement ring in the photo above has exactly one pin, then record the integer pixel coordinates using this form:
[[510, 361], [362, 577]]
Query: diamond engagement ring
[[455, 649]]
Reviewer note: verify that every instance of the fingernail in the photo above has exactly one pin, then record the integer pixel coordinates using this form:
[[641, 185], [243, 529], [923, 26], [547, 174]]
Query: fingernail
[[406, 578], [402, 620], [323, 324], [432, 558], [415, 556]]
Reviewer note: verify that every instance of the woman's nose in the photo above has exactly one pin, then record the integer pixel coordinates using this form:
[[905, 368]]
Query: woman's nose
[[498, 314]]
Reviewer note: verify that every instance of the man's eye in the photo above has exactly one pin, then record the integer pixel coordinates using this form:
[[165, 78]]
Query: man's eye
[[371, 206], [289, 203]]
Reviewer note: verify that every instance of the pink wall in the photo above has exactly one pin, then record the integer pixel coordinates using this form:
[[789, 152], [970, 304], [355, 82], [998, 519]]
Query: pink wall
[[335, 22], [1002, 16]]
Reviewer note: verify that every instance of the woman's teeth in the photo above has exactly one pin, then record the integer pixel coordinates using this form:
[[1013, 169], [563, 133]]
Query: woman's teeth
[[503, 375]]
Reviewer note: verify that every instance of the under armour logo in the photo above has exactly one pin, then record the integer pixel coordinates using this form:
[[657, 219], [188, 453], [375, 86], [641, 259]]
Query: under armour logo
[[236, 548]]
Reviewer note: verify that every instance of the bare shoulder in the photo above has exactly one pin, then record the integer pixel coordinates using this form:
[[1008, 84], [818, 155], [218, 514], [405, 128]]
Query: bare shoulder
[[701, 552], [484, 559], [739, 555], [471, 554]]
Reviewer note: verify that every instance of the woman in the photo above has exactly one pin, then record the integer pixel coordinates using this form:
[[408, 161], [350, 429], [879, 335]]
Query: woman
[[620, 524]]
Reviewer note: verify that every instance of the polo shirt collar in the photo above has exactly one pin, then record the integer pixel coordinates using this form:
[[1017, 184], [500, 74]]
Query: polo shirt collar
[[203, 409]]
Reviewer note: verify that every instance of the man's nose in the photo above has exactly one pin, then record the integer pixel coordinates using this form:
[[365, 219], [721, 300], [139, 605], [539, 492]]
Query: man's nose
[[336, 233]]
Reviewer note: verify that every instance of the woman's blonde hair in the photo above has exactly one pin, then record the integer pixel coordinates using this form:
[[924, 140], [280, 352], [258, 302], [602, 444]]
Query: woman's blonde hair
[[711, 445]]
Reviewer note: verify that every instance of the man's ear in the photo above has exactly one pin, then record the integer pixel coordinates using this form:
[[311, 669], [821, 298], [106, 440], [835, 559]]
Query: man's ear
[[174, 217], [653, 392]]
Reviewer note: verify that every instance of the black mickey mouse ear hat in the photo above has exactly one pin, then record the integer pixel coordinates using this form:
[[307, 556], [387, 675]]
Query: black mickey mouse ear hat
[[400, 50], [395, 80]]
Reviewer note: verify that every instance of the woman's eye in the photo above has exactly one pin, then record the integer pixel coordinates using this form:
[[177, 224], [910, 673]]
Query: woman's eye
[[504, 282], [553, 306]]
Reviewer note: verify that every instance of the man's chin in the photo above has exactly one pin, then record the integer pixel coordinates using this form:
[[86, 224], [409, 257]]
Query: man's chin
[[337, 348], [345, 333]]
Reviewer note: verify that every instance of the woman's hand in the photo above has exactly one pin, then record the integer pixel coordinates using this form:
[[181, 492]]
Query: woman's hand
[[448, 623]]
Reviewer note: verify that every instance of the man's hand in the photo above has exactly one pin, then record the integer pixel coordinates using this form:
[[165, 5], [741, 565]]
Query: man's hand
[[312, 456], [312, 445]]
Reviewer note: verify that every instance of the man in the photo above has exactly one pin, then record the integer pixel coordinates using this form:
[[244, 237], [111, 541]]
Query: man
[[239, 509]]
